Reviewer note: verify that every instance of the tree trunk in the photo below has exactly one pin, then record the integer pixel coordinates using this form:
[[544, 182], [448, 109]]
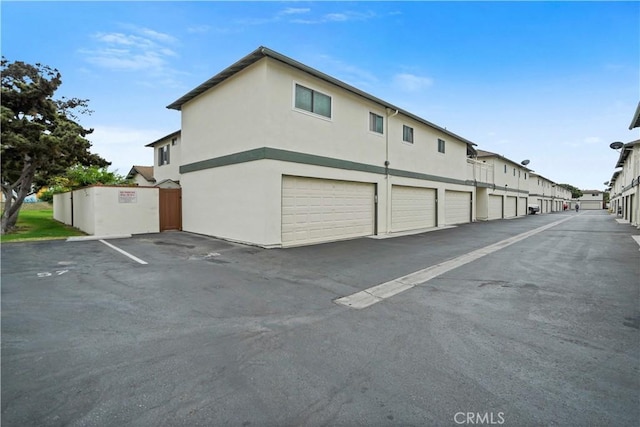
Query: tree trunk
[[13, 205]]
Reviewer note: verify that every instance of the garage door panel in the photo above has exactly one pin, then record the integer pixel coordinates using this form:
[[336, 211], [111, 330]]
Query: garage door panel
[[510, 207], [412, 208], [495, 207], [316, 210], [522, 206], [457, 207]]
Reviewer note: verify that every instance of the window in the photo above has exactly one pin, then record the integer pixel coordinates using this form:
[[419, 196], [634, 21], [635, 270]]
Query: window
[[514, 171], [505, 168], [440, 145], [407, 134], [163, 155], [376, 123], [174, 141], [313, 101]]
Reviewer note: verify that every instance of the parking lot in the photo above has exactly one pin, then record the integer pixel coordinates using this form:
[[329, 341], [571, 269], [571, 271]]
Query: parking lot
[[539, 327]]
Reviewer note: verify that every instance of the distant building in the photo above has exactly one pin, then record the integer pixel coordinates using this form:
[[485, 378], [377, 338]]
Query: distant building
[[142, 176], [591, 200]]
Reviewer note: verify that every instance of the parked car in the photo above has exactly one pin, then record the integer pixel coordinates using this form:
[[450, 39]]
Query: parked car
[[533, 209]]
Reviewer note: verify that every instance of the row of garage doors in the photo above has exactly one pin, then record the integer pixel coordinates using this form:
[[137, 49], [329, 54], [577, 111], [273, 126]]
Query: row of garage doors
[[316, 210], [506, 207]]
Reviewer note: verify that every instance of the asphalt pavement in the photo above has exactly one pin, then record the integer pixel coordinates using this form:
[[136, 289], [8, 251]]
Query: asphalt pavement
[[542, 331]]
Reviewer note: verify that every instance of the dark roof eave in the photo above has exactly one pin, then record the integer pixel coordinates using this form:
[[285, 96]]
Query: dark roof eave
[[490, 154], [263, 52], [635, 122], [151, 144]]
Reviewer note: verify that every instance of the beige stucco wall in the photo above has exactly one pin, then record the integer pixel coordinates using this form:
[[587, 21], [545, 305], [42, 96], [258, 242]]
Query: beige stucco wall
[[263, 96], [243, 202], [227, 119], [110, 210], [84, 210], [62, 207], [542, 192], [255, 109], [626, 189], [126, 210], [139, 180], [171, 170]]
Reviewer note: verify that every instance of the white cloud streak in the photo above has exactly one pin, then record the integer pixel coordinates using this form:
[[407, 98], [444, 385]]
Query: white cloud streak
[[411, 83], [139, 49], [124, 147]]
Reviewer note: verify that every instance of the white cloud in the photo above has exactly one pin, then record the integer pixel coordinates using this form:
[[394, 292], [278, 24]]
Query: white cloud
[[336, 17], [349, 73], [411, 83], [295, 11], [139, 49], [199, 29], [592, 140], [129, 51], [125, 147], [158, 36]]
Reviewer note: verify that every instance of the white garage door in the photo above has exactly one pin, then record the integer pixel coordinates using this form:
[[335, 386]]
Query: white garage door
[[510, 207], [591, 204], [495, 207], [318, 210], [457, 207], [522, 206], [540, 205], [412, 208]]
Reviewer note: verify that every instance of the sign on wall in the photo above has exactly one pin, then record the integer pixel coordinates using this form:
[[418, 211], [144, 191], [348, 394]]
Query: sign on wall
[[127, 196]]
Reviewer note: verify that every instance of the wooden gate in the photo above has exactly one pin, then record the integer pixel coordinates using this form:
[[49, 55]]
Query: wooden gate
[[170, 209]]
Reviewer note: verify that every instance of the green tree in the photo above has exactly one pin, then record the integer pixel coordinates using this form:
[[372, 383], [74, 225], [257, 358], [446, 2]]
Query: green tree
[[576, 193], [40, 135], [80, 176]]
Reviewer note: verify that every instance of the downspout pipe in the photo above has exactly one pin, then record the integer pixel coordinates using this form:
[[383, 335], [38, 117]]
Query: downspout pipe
[[386, 161], [386, 169]]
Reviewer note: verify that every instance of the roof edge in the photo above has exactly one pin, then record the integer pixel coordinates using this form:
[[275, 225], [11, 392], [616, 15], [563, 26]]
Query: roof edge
[[262, 52], [635, 122], [151, 144]]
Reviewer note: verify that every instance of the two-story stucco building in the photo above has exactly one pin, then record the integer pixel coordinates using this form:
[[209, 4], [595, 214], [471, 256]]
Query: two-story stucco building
[[504, 192], [547, 194], [276, 153], [625, 184], [591, 200], [167, 158]]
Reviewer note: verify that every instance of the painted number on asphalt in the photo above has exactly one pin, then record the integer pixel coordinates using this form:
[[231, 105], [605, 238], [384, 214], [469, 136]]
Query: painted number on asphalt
[[55, 273]]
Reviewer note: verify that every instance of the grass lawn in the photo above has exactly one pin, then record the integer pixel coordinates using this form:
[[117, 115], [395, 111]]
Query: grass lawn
[[35, 222]]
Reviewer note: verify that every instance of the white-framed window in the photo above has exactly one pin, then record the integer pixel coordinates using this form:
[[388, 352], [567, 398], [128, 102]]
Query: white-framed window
[[407, 134], [174, 141], [376, 123], [163, 155], [440, 145], [312, 101]]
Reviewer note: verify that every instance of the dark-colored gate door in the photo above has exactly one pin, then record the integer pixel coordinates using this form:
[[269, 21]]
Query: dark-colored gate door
[[170, 209]]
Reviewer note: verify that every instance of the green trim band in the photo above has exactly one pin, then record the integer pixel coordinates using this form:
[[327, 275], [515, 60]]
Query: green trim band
[[268, 153]]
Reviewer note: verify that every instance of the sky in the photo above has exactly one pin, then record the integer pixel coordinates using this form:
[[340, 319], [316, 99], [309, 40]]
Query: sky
[[551, 82]]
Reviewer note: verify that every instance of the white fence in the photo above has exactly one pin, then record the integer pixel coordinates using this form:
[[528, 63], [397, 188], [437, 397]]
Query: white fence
[[105, 211], [478, 171]]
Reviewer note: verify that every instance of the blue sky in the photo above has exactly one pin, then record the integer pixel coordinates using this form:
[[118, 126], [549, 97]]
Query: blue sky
[[552, 82]]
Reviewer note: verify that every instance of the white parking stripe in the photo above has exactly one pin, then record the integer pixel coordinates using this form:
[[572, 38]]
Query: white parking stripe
[[135, 258], [385, 290]]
